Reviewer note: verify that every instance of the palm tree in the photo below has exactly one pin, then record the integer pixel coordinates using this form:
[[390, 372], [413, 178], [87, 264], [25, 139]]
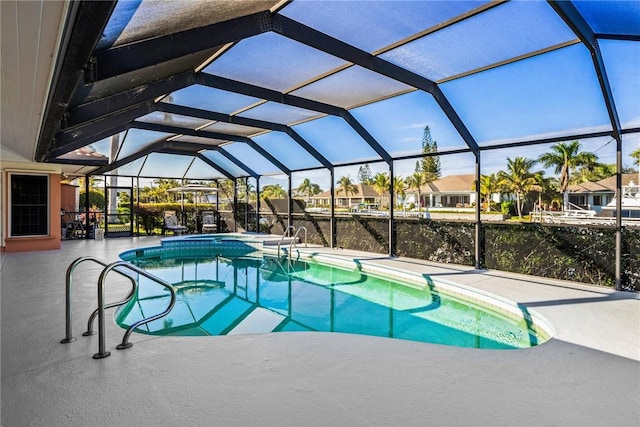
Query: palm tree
[[548, 193], [273, 191], [160, 193], [381, 184], [349, 188], [489, 185], [308, 189], [518, 179], [565, 157], [398, 186], [635, 155], [415, 181], [593, 173]]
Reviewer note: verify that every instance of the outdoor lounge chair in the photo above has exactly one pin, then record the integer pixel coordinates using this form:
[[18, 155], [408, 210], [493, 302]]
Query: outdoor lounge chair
[[209, 222], [171, 223]]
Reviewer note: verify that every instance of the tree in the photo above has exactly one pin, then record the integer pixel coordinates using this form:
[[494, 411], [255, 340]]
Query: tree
[[349, 188], [489, 185], [566, 157], [159, 193], [307, 189], [431, 163], [273, 191], [593, 173], [548, 191], [414, 182], [246, 188], [398, 186], [635, 155], [518, 179], [381, 184], [364, 174]]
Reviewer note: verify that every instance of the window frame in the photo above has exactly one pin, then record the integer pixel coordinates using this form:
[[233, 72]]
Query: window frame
[[47, 205]]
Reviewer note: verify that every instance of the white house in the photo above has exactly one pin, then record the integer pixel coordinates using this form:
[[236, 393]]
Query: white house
[[453, 191], [595, 195]]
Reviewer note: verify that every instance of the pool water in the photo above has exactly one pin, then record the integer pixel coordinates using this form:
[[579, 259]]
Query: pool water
[[220, 295]]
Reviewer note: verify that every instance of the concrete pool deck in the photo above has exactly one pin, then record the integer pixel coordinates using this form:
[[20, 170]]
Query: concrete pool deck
[[588, 374]]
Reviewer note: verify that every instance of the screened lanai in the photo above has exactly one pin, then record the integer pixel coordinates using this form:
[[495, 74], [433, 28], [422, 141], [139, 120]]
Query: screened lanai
[[280, 91]]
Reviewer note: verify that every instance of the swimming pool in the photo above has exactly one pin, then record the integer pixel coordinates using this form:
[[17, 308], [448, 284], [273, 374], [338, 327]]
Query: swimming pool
[[238, 289]]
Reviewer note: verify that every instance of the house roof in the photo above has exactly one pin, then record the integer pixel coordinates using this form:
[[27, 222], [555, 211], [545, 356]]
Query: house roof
[[604, 185], [450, 184], [364, 190]]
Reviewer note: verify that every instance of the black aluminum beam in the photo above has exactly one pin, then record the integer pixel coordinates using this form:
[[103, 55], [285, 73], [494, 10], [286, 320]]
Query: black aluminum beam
[[155, 147], [623, 37], [295, 101], [309, 148], [192, 148], [237, 162], [247, 89], [215, 166], [552, 140], [84, 26], [81, 142], [209, 115], [268, 156], [93, 110], [76, 162], [364, 134], [214, 135], [98, 126], [245, 121], [213, 116], [130, 57], [182, 152], [630, 131], [186, 131], [572, 17], [318, 40]]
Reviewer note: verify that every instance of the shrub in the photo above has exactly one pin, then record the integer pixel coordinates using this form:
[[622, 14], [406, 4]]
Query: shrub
[[508, 207]]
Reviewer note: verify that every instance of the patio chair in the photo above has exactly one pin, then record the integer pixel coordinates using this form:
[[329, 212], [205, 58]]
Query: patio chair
[[209, 222], [171, 224]]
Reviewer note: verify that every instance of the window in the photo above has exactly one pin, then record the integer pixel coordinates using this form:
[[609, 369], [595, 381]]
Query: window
[[579, 200], [29, 205], [457, 201], [599, 200]]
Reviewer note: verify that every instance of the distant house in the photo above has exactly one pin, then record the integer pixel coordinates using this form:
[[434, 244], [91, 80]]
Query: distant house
[[448, 192], [595, 195], [365, 197], [453, 191]]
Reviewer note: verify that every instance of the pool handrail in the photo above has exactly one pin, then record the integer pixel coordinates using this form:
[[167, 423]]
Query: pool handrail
[[101, 307], [295, 236], [285, 234], [69, 280]]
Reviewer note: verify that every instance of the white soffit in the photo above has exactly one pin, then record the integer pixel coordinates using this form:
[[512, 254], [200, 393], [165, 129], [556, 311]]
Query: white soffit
[[30, 32]]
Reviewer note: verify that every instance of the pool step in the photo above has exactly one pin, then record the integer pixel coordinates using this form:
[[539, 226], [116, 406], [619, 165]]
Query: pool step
[[258, 321]]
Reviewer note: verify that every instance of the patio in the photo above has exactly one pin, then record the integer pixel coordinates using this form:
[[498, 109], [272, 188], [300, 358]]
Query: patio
[[588, 374]]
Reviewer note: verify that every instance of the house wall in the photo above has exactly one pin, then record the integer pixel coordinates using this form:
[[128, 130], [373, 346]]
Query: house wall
[[590, 200], [30, 243]]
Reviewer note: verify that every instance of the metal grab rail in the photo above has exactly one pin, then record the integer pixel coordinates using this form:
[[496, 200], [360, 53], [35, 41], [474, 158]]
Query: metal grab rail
[[69, 279], [101, 307], [285, 234], [295, 236]]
